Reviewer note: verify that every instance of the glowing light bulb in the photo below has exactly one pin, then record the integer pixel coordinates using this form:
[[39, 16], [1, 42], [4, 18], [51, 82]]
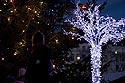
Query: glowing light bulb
[[23, 31], [57, 41], [4, 4], [9, 19], [54, 66], [116, 52], [72, 37], [78, 57], [35, 11], [11, 11], [2, 58], [41, 3], [15, 53]]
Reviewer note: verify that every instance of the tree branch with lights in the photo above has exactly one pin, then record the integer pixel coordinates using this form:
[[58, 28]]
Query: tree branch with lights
[[98, 30]]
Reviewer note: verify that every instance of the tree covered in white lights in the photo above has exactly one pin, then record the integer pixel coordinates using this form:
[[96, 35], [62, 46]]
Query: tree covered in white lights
[[98, 30]]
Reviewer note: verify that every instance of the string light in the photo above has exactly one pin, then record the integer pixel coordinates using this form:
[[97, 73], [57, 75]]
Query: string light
[[38, 14], [2, 58], [72, 37], [23, 31], [29, 8], [97, 30], [116, 52], [15, 53], [54, 66], [78, 58], [41, 3], [57, 41], [14, 10], [11, 11], [20, 43], [35, 11], [9, 19], [23, 21], [4, 4]]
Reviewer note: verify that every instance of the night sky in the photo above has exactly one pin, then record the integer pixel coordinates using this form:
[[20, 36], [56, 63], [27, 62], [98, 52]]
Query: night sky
[[114, 8]]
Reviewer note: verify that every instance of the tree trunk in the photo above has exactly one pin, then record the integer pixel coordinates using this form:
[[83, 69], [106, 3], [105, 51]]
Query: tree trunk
[[96, 63]]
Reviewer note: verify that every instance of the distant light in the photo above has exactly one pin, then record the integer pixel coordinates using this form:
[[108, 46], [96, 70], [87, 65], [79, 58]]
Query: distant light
[[35, 12], [32, 18], [29, 8], [78, 57], [72, 37], [11, 11], [4, 4], [23, 31], [14, 9], [20, 43], [57, 41], [116, 52], [41, 3], [3, 59], [73, 28], [15, 53], [9, 18], [54, 66]]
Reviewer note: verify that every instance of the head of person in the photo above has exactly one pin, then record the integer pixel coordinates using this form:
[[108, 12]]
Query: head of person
[[38, 38], [22, 72]]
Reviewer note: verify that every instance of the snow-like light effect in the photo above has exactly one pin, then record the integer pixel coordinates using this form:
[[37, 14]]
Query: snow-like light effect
[[98, 30]]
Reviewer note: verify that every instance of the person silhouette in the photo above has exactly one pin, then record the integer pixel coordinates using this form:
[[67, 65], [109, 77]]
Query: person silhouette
[[40, 60], [21, 76]]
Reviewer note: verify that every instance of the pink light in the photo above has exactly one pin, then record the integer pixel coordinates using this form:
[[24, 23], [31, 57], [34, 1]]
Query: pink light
[[11, 1]]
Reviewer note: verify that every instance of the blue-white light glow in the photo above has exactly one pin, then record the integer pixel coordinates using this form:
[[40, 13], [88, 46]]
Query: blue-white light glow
[[98, 30]]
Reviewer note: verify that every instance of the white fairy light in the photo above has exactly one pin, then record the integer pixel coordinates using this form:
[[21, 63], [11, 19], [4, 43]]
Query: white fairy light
[[97, 30]]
